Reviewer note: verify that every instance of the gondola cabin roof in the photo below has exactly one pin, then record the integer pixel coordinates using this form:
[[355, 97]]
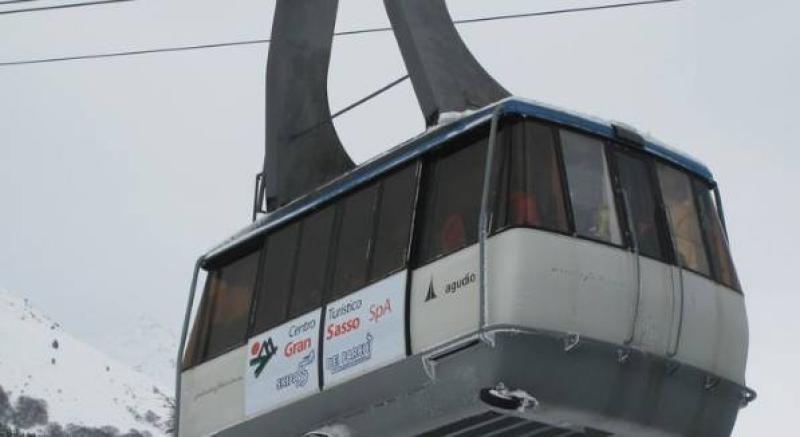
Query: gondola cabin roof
[[436, 137]]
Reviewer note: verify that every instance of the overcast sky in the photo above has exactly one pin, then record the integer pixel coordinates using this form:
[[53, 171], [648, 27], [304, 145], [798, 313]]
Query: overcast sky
[[116, 174]]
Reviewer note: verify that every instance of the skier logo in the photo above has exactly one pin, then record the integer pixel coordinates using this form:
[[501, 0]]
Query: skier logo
[[262, 353], [431, 292]]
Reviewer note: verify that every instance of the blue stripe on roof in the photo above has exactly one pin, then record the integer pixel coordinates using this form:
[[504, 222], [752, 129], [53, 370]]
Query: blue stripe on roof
[[403, 153]]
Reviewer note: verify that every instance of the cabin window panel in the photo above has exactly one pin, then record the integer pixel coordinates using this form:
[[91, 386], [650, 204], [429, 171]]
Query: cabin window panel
[[453, 187], [191, 351], [394, 217], [312, 262], [636, 182], [590, 190], [721, 260], [684, 222], [355, 239], [272, 300], [229, 298], [530, 190]]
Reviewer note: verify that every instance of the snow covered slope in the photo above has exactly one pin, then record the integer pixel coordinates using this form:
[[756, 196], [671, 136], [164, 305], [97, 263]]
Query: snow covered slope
[[81, 385], [148, 348]]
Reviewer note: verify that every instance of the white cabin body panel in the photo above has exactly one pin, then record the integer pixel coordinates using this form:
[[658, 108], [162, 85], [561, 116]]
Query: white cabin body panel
[[445, 299], [657, 307], [212, 395], [713, 333], [553, 282]]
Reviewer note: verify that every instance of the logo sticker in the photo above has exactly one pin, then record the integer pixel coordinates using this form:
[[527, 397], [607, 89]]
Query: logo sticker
[[262, 353], [298, 378], [431, 292], [454, 286], [351, 357]]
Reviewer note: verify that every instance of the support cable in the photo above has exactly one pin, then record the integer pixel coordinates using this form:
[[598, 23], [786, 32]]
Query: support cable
[[343, 33], [354, 105], [65, 6], [11, 2]]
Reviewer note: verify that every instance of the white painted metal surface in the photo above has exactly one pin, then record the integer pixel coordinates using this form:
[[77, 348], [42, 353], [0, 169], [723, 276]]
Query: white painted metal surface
[[548, 281], [536, 279], [445, 299], [212, 395], [714, 334]]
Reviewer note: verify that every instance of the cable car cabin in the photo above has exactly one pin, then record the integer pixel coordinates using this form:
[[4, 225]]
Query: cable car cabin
[[519, 270]]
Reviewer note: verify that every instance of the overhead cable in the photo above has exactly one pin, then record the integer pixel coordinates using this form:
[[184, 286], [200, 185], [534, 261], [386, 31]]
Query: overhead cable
[[342, 33], [370, 96], [354, 105], [53, 7], [11, 2]]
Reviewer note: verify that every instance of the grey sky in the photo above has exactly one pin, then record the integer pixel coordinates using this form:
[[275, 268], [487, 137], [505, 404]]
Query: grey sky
[[116, 174]]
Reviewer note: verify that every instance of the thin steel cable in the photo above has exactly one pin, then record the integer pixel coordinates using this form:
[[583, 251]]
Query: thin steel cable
[[66, 6], [343, 33], [11, 2], [370, 96], [564, 11], [136, 52], [353, 105]]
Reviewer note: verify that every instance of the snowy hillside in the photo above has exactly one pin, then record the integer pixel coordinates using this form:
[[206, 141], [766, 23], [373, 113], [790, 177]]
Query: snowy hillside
[[80, 385], [148, 348]]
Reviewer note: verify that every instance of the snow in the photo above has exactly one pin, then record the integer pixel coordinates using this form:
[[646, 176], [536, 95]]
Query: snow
[[446, 118], [149, 348], [81, 385]]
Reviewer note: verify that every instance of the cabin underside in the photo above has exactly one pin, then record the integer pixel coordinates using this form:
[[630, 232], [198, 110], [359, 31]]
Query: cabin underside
[[580, 387]]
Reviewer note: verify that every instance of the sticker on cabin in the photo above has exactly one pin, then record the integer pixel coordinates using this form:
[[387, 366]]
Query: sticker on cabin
[[282, 364], [365, 330]]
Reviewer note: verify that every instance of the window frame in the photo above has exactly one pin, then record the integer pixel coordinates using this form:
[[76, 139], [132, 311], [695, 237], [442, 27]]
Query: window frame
[[706, 250], [329, 261], [651, 161], [429, 163], [662, 223], [340, 205], [417, 164], [251, 331], [699, 184], [624, 244], [200, 353], [559, 167], [202, 324]]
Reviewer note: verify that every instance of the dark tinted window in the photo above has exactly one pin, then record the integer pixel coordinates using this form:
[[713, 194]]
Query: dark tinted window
[[529, 180], [229, 296], [721, 260], [272, 301], [590, 190], [684, 222], [312, 261], [190, 353], [395, 213], [452, 186], [355, 239], [637, 184]]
